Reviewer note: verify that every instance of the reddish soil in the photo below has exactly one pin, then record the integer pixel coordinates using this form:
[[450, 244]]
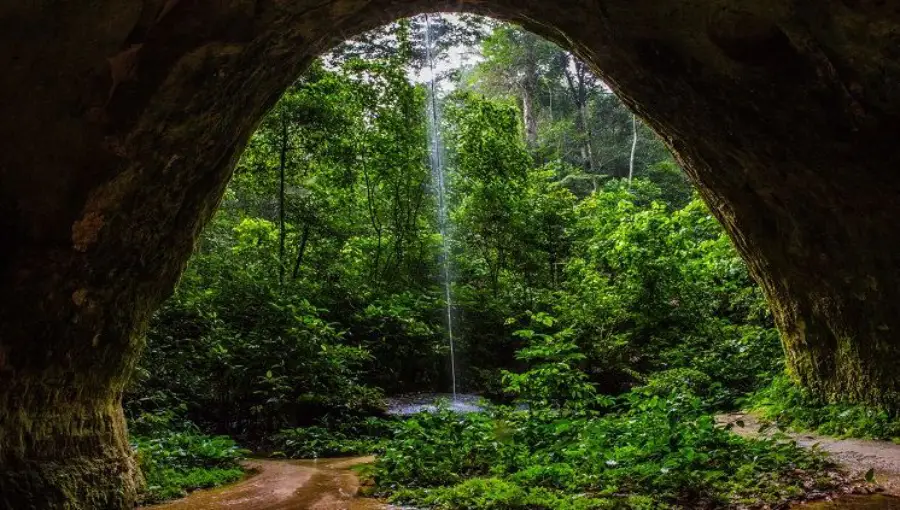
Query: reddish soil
[[286, 485]]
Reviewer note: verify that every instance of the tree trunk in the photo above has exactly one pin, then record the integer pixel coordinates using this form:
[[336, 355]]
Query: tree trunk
[[301, 251], [282, 224], [588, 137], [529, 116], [634, 142], [529, 87], [578, 90]]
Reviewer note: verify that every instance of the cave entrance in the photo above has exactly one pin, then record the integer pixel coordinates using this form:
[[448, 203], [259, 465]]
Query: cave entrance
[[123, 122]]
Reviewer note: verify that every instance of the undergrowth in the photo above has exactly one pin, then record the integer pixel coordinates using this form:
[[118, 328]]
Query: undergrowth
[[648, 452], [791, 406], [175, 462], [565, 446], [331, 438]]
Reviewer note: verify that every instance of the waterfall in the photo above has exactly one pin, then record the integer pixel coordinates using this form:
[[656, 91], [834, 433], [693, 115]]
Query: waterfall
[[437, 172]]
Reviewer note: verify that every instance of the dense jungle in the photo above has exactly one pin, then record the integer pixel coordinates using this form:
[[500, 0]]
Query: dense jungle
[[453, 206]]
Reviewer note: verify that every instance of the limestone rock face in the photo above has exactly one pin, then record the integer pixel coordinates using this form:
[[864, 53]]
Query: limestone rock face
[[122, 120]]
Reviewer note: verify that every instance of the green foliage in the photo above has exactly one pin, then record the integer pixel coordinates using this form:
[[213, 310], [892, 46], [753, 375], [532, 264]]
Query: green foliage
[[361, 436], [248, 359], [789, 405], [574, 118], [498, 494], [176, 462], [276, 324], [553, 379], [259, 339], [314, 442], [654, 447], [615, 314], [649, 289], [681, 381], [654, 452]]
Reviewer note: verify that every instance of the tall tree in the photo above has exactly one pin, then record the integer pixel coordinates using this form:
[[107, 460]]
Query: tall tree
[[515, 64]]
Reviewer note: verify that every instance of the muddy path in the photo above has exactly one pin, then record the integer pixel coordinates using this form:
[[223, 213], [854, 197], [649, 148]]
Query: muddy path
[[856, 456], [286, 485]]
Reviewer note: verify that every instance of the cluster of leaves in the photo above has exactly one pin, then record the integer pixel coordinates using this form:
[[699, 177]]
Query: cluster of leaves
[[553, 380], [313, 286], [568, 113], [791, 406], [317, 283], [564, 446], [179, 459], [650, 288], [243, 358], [360, 436], [648, 452]]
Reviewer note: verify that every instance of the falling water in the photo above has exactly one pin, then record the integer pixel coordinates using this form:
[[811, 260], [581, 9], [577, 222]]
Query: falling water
[[437, 171]]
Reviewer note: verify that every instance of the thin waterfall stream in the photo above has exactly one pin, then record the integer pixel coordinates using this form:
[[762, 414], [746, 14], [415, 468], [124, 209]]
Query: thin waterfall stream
[[439, 178]]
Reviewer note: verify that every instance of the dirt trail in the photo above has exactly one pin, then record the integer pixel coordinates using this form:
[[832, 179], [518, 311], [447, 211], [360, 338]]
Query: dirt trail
[[286, 485], [857, 456]]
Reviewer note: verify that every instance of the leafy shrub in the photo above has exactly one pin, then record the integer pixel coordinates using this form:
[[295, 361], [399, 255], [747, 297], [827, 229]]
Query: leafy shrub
[[649, 289], [662, 451], [554, 379], [248, 360], [788, 404], [498, 494], [441, 448], [315, 442], [346, 437], [175, 463], [157, 423], [679, 381]]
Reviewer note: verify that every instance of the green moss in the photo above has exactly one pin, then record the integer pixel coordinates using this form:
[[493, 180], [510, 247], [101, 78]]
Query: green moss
[[69, 484]]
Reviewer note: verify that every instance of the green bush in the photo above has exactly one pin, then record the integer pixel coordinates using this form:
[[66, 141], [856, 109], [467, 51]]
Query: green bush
[[497, 494], [554, 379], [791, 406], [654, 451], [347, 436], [174, 463], [249, 360], [680, 381], [649, 289]]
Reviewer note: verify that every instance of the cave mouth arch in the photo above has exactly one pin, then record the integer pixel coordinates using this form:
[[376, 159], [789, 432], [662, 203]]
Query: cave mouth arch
[[124, 120]]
